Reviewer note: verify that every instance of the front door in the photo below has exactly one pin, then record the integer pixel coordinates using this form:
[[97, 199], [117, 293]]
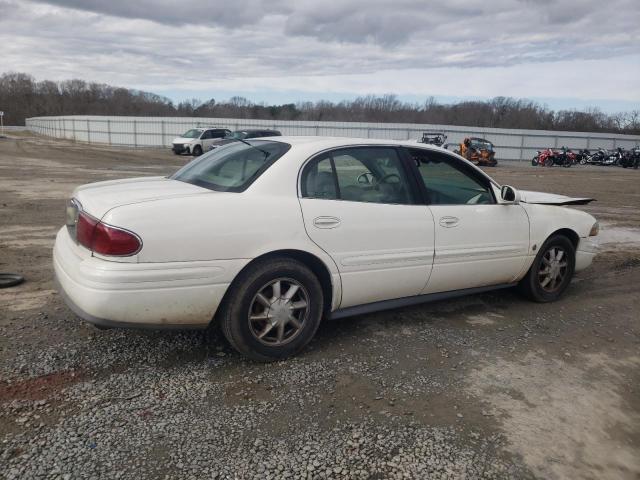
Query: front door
[[478, 241], [359, 206]]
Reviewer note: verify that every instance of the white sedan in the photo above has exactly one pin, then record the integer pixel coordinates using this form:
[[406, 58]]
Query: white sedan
[[267, 237]]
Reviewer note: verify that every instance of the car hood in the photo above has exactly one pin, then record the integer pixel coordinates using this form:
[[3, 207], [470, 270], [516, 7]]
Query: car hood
[[551, 198], [100, 197], [183, 140]]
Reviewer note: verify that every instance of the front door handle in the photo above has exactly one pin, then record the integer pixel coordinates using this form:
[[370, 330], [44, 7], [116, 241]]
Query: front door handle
[[449, 222], [326, 222]]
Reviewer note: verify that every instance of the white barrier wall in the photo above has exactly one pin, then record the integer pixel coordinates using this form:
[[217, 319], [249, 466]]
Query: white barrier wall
[[510, 144]]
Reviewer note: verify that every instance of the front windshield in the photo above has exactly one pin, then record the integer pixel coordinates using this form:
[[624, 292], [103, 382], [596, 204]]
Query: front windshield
[[193, 133], [233, 167], [238, 135], [483, 145]]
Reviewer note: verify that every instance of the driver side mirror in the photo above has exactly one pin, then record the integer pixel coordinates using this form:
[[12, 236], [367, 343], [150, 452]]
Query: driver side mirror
[[509, 194]]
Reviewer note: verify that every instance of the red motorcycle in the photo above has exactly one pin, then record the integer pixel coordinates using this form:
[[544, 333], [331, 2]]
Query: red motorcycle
[[549, 158]]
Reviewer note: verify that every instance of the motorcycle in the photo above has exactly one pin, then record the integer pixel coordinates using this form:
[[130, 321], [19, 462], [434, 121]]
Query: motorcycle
[[613, 158], [583, 156], [549, 158], [631, 158], [598, 157], [566, 157]]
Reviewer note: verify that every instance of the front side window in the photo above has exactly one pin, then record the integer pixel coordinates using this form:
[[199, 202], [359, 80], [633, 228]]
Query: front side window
[[233, 167], [363, 174], [448, 182]]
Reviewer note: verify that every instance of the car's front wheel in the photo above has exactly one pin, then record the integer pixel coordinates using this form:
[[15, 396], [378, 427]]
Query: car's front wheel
[[272, 310], [551, 271], [197, 151]]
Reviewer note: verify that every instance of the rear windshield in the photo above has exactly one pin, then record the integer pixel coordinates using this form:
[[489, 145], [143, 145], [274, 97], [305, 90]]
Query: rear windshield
[[232, 167]]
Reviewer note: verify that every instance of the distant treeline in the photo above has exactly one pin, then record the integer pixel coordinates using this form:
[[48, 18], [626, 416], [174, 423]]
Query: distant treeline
[[21, 96]]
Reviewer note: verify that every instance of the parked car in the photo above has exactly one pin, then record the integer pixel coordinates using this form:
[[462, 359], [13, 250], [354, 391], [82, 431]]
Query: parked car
[[267, 237], [244, 135], [197, 140], [479, 151], [433, 138]]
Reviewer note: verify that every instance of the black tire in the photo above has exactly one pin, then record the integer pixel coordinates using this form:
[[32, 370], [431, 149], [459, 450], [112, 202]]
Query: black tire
[[534, 161], [236, 308], [197, 151], [10, 280], [531, 284]]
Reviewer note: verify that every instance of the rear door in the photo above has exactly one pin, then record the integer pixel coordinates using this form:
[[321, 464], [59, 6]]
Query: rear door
[[478, 241], [359, 205]]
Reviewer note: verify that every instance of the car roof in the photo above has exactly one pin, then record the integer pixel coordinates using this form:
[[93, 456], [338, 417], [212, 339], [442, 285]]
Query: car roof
[[331, 142], [256, 130]]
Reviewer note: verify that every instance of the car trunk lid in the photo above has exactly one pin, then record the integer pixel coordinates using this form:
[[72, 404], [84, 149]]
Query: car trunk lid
[[98, 198]]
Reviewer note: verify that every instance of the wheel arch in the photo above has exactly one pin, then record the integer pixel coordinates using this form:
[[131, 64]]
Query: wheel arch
[[569, 233], [315, 264]]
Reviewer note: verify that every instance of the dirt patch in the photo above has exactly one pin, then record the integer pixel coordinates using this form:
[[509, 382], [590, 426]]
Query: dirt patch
[[25, 298], [38, 388], [554, 418]]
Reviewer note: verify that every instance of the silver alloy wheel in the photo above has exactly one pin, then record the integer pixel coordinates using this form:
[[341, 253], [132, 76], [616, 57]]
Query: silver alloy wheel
[[553, 268], [278, 311]]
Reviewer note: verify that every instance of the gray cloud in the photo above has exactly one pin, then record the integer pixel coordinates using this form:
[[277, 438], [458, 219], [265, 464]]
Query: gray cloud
[[232, 14], [188, 44]]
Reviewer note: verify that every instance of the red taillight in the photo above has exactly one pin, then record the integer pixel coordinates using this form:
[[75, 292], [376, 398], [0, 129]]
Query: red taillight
[[108, 240], [105, 239], [84, 229]]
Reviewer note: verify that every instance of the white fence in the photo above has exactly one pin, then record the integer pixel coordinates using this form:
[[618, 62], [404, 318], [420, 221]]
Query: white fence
[[159, 131]]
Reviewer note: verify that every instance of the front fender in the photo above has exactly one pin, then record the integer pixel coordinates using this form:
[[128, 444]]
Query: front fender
[[544, 220]]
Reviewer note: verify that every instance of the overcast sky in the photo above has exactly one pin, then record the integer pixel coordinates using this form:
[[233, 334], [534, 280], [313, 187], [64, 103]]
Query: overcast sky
[[566, 53]]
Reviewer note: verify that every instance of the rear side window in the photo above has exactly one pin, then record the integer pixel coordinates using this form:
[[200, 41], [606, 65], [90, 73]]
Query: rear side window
[[318, 179], [449, 182], [218, 133], [363, 174], [232, 167]]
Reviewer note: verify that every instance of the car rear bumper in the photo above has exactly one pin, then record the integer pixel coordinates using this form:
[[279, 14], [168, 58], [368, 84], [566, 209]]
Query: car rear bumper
[[586, 252], [154, 295]]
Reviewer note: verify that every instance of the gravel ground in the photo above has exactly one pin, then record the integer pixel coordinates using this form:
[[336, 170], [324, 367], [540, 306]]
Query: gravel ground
[[487, 386]]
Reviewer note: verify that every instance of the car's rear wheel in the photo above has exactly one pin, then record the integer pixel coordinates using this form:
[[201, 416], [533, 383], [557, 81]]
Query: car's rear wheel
[[272, 310], [551, 271], [197, 151]]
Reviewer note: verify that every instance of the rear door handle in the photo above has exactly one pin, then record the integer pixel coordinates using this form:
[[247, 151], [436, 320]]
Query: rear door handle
[[326, 222], [449, 222]]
